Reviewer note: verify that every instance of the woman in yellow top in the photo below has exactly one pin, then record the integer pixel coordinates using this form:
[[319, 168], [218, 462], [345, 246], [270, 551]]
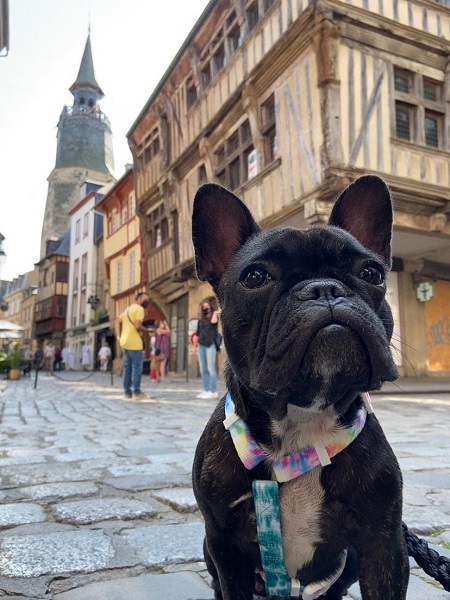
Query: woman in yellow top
[[128, 328]]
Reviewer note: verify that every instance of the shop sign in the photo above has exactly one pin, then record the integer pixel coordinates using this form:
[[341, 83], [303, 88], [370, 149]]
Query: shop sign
[[425, 291]]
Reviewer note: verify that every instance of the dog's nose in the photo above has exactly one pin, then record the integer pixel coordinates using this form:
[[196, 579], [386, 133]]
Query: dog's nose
[[324, 288]]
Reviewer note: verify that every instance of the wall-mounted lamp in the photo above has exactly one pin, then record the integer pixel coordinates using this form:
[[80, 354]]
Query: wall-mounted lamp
[[416, 278], [94, 302]]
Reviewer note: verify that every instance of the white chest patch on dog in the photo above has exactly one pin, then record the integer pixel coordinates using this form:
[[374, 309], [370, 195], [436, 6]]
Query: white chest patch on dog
[[301, 428], [301, 502], [301, 499]]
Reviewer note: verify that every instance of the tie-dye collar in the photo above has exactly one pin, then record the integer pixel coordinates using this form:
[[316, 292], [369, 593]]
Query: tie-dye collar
[[298, 463]]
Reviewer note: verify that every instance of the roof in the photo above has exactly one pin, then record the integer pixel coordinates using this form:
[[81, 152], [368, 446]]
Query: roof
[[86, 74], [82, 202], [59, 247], [109, 193], [63, 248]]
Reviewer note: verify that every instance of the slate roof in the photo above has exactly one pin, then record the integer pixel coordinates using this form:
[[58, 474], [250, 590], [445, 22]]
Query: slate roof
[[86, 74]]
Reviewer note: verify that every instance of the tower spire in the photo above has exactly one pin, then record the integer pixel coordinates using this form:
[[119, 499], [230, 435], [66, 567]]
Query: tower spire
[[84, 150], [86, 74]]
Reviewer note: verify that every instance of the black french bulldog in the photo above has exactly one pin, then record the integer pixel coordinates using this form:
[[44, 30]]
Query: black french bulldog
[[307, 329]]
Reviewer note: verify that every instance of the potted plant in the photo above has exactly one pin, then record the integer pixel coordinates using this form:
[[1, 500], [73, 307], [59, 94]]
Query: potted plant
[[15, 359], [4, 366]]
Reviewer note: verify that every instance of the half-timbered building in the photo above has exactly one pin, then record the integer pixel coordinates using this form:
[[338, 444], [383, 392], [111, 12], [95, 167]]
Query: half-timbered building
[[285, 102]]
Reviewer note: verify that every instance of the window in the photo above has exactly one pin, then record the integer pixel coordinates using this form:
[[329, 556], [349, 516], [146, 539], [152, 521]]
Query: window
[[225, 40], [419, 109], [47, 309], [402, 81], [175, 237], [132, 269], [119, 276], [234, 39], [115, 220], [251, 15], [433, 129], [151, 146], [76, 271], [84, 270], [231, 158], [86, 225], [191, 93], [404, 117], [206, 76], [124, 212], [269, 129], [131, 205], [62, 272], [61, 304], [83, 307], [77, 231], [431, 90], [157, 226], [74, 311], [218, 60]]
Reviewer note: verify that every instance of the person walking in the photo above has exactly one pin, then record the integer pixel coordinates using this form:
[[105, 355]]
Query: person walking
[[38, 359], [129, 327], [58, 358], [104, 355], [205, 343], [85, 357], [68, 358], [49, 357], [162, 346]]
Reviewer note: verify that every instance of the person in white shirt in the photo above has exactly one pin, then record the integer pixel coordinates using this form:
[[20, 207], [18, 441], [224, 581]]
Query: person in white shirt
[[85, 357], [104, 355]]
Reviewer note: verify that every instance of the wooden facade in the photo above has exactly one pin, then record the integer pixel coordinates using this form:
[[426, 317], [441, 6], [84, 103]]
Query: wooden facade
[[122, 250], [51, 298], [285, 102]]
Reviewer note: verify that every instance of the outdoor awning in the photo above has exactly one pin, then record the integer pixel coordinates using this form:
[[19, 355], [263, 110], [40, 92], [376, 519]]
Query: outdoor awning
[[10, 331], [11, 335]]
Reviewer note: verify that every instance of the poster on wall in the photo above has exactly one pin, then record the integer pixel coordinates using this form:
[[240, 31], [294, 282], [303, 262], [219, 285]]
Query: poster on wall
[[437, 322]]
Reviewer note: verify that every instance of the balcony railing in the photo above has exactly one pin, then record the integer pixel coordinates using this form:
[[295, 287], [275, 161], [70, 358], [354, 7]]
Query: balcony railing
[[92, 112]]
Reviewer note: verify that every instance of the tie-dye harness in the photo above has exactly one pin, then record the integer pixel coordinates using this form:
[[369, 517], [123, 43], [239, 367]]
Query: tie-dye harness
[[267, 506]]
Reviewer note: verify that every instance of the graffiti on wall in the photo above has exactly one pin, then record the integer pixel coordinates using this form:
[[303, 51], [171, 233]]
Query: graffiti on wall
[[440, 331], [437, 321]]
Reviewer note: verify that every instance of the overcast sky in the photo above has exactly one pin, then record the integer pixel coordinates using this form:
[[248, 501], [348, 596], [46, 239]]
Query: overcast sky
[[133, 43]]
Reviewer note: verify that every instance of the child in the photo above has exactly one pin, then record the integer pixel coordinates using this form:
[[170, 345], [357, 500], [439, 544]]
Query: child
[[154, 365]]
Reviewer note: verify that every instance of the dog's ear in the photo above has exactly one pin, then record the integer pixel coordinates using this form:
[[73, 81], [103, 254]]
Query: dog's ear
[[364, 209], [221, 224]]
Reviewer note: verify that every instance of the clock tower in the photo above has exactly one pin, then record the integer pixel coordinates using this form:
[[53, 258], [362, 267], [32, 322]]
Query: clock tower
[[84, 150]]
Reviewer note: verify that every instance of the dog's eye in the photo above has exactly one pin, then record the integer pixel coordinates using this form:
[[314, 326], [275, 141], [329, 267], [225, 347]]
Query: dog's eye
[[372, 275], [255, 278]]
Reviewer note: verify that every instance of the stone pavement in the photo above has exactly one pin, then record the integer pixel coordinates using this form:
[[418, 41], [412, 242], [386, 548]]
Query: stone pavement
[[96, 500]]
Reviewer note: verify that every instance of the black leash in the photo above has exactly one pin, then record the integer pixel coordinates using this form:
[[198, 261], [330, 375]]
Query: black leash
[[428, 559]]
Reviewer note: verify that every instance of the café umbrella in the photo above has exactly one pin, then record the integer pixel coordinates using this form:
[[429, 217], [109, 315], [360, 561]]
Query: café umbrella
[[10, 331]]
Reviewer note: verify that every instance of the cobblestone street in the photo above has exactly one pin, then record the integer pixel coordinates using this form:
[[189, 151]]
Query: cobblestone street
[[96, 498]]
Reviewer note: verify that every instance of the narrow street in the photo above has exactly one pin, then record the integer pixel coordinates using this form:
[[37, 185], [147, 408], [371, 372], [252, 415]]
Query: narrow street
[[96, 498]]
